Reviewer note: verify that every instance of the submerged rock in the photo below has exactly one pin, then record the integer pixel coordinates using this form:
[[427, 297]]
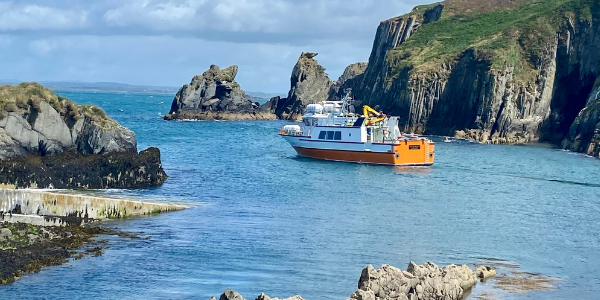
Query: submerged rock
[[215, 95], [28, 247]]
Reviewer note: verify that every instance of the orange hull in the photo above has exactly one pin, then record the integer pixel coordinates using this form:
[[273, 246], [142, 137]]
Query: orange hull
[[404, 154]]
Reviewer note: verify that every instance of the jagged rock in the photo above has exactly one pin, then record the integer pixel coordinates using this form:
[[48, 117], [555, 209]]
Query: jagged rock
[[536, 94], [231, 295], [584, 135], [309, 84], [37, 126], [212, 298], [215, 95], [351, 72], [485, 272], [41, 133], [417, 282]]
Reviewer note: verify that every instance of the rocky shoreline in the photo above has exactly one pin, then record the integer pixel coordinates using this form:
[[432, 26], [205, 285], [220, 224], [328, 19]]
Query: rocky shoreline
[[26, 248], [47, 141]]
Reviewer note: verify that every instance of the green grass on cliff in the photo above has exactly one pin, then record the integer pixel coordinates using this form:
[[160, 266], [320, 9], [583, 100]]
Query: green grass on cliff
[[511, 36], [28, 95]]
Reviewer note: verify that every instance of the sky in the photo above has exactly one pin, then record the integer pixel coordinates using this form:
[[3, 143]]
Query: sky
[[167, 42]]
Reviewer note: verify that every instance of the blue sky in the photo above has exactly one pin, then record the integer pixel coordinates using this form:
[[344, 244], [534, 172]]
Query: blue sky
[[166, 42]]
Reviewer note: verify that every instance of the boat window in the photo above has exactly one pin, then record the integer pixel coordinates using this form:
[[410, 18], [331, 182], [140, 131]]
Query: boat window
[[322, 135], [338, 136], [330, 135]]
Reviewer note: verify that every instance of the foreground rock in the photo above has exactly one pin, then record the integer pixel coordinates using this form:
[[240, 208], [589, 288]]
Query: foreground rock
[[309, 84], [26, 248], [417, 282], [49, 141], [215, 95]]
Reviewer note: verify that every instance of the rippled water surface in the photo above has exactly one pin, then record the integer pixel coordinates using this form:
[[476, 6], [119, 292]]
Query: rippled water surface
[[265, 220]]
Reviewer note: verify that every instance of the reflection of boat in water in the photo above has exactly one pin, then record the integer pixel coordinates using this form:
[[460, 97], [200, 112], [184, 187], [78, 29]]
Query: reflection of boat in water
[[448, 139], [332, 131]]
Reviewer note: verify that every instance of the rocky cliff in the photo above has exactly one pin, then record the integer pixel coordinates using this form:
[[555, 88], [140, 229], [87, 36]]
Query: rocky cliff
[[308, 84], [499, 71], [215, 95], [44, 138]]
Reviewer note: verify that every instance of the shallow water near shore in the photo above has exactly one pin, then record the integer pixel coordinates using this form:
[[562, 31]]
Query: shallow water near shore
[[265, 220]]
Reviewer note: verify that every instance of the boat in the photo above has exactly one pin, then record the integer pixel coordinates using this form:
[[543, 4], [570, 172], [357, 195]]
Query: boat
[[448, 139], [331, 130]]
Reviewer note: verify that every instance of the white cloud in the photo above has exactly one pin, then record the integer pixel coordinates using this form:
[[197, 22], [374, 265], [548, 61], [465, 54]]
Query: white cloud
[[157, 15], [34, 17]]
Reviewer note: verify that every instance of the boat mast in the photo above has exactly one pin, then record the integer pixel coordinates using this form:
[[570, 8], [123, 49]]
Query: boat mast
[[346, 102]]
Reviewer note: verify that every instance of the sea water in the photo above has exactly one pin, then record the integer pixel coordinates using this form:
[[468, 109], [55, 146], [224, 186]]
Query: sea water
[[263, 219]]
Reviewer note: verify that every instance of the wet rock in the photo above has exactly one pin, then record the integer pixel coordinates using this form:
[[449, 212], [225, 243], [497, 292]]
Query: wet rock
[[31, 247], [426, 281], [485, 272], [91, 171], [215, 95], [212, 298]]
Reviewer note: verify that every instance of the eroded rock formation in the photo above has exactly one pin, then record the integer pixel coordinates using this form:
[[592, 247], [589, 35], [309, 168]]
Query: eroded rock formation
[[309, 84], [215, 95], [49, 141]]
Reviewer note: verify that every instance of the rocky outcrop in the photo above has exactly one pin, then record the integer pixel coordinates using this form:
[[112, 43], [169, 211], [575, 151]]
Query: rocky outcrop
[[529, 81], [215, 95], [309, 84], [30, 124], [73, 170], [584, 134], [350, 73], [427, 281], [49, 141]]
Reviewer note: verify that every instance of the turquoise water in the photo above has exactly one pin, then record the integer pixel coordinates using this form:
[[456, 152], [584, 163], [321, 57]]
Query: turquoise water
[[265, 220]]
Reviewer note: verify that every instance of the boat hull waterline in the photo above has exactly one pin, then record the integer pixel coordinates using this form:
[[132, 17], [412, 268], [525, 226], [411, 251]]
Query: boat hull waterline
[[379, 154]]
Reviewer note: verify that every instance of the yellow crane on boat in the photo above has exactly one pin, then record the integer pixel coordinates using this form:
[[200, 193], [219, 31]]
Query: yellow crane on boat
[[373, 116]]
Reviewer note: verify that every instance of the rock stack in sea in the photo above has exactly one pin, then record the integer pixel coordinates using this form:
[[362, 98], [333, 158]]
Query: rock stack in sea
[[309, 84], [215, 95], [418, 282], [49, 141]]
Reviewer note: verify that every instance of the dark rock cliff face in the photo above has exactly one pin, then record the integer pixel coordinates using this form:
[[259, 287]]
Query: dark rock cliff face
[[215, 95], [474, 96], [308, 84], [350, 73], [49, 141]]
